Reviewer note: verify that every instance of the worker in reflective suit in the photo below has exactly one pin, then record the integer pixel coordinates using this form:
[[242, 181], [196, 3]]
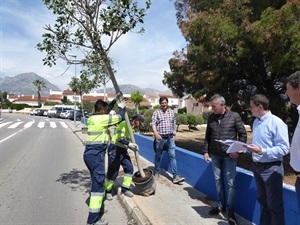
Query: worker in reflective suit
[[94, 156], [118, 156]]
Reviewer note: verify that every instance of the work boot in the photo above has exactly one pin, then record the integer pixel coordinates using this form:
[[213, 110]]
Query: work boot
[[128, 193], [109, 196], [231, 219], [99, 222], [216, 211], [177, 179]]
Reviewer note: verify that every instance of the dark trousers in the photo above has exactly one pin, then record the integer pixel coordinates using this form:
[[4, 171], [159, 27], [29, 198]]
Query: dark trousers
[[268, 178], [297, 186], [96, 165], [118, 157]]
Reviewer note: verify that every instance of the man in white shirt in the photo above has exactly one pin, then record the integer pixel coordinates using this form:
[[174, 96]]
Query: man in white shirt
[[293, 92]]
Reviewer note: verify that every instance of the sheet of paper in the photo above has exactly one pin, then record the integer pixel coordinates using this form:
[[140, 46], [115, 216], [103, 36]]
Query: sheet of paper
[[234, 146]]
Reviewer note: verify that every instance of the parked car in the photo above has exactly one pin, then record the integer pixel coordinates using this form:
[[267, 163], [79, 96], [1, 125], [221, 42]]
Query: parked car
[[65, 114], [52, 112], [79, 114], [45, 113], [40, 112], [33, 112], [57, 109]]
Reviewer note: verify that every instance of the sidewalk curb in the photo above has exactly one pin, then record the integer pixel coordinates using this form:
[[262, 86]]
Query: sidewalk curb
[[133, 209], [129, 204]]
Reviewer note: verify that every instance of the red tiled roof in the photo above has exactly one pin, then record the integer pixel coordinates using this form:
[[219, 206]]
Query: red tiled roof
[[68, 92], [91, 98], [55, 97], [166, 95], [29, 98]]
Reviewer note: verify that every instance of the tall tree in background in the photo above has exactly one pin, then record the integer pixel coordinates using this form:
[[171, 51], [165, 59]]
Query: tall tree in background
[[136, 97], [39, 84], [237, 49]]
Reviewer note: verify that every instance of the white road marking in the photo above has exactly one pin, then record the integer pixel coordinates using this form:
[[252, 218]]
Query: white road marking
[[28, 124], [14, 125], [64, 124], [4, 124], [41, 124], [53, 124]]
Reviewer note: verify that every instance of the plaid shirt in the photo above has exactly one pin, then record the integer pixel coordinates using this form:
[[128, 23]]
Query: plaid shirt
[[165, 122]]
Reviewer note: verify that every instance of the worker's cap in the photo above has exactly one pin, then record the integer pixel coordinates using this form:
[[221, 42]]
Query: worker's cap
[[140, 118]]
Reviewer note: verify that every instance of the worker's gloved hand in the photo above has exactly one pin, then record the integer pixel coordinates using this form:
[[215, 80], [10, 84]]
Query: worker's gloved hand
[[133, 147], [122, 104], [118, 96]]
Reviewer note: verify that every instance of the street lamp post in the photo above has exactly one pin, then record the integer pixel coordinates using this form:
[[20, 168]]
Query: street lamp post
[[74, 56]]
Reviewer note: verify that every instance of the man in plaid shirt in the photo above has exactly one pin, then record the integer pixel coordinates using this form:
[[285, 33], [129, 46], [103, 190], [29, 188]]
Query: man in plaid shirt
[[164, 128]]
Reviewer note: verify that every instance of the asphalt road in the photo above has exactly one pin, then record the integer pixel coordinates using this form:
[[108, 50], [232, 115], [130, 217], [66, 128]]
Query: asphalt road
[[43, 179]]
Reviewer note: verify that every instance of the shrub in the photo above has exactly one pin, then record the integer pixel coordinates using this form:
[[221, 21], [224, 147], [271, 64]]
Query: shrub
[[182, 110], [181, 119]]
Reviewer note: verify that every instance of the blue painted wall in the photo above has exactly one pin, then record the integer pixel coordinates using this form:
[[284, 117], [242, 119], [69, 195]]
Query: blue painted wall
[[199, 175]]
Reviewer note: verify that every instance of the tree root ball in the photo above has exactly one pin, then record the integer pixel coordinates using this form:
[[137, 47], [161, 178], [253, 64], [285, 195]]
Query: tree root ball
[[145, 185]]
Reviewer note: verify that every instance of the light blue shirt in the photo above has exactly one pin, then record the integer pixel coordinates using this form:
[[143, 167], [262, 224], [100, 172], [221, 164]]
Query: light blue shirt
[[270, 133], [295, 147]]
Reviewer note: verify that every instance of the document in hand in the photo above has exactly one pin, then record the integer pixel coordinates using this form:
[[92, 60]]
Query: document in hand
[[234, 146]]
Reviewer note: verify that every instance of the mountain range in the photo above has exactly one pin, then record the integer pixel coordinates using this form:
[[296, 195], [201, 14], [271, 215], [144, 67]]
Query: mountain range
[[22, 84]]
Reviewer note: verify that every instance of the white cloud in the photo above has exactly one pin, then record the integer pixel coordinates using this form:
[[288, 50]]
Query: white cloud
[[139, 59]]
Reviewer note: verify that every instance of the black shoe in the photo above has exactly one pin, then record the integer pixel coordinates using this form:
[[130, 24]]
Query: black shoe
[[232, 220], [215, 211]]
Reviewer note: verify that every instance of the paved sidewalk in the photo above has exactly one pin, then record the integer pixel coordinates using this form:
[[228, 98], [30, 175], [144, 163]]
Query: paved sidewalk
[[171, 204]]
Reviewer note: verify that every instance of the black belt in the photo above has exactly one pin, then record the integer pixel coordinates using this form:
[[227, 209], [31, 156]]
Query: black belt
[[166, 136], [277, 163]]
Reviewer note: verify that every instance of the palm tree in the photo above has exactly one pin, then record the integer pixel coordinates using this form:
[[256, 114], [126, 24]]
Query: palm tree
[[39, 84], [136, 97]]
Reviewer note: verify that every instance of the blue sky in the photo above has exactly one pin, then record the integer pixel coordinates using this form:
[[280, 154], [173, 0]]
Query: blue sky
[[139, 59]]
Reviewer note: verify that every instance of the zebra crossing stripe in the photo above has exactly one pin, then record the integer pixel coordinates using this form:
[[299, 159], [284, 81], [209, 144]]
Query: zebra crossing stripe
[[41, 124], [29, 124], [53, 124], [14, 125], [64, 124], [4, 124]]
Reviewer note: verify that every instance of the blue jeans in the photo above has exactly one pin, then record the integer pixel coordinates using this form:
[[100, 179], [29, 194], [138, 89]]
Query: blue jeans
[[169, 142], [224, 169]]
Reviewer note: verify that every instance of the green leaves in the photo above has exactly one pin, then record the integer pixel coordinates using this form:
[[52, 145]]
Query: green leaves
[[236, 48], [84, 25]]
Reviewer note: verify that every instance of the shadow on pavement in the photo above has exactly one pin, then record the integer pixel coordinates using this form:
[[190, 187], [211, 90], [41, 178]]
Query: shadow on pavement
[[76, 180]]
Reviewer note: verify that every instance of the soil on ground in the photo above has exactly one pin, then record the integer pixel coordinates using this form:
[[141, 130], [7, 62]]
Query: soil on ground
[[193, 140]]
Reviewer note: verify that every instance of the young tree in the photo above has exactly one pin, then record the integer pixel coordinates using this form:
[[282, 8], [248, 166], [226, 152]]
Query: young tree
[[92, 27], [236, 48], [39, 84], [136, 98], [80, 86]]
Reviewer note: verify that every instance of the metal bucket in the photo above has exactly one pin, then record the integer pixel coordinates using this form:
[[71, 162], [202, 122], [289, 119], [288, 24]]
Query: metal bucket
[[145, 185]]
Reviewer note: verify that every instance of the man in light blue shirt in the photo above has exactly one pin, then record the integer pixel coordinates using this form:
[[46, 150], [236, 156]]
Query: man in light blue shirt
[[270, 142]]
